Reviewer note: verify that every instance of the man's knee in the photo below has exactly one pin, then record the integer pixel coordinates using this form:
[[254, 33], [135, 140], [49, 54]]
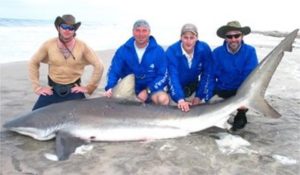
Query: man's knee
[[161, 98], [216, 99], [125, 87]]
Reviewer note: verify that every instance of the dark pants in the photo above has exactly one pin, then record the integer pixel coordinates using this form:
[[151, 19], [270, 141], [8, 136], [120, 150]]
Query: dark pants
[[60, 93], [55, 98], [190, 88], [225, 93]]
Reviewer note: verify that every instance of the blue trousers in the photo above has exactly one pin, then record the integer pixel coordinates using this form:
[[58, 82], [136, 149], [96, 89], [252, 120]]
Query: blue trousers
[[50, 99]]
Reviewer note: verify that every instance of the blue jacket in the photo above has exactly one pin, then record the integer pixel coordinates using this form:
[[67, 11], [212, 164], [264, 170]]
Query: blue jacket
[[232, 69], [180, 74], [150, 73]]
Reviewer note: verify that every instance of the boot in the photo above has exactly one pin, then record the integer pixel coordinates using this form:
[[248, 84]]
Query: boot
[[240, 120]]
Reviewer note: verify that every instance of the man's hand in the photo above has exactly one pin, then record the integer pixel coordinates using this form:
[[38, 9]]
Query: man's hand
[[184, 105], [143, 95], [108, 93], [78, 89], [196, 101], [44, 91]]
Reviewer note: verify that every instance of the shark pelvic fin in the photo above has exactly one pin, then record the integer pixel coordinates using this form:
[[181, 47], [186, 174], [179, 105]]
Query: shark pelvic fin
[[66, 144]]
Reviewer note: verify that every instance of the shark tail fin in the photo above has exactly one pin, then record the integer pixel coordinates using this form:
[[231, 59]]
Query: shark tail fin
[[258, 80], [262, 106]]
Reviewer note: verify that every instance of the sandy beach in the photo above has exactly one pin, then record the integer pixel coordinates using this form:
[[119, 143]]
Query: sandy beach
[[274, 149]]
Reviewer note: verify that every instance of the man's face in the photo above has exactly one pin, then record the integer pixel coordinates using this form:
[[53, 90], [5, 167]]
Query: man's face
[[188, 40], [141, 35], [67, 31], [234, 39]]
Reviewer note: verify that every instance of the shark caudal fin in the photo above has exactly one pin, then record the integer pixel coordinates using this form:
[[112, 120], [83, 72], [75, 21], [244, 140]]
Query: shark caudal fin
[[262, 106], [254, 87]]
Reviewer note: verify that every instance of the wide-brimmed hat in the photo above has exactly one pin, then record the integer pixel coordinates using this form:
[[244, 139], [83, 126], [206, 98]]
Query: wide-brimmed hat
[[232, 25], [189, 28], [66, 19]]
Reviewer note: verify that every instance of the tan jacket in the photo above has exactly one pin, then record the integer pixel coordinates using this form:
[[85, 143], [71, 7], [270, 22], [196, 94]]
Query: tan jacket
[[65, 71]]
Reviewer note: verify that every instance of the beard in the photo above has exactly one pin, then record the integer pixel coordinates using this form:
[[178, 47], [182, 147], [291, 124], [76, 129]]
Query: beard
[[64, 39], [234, 46]]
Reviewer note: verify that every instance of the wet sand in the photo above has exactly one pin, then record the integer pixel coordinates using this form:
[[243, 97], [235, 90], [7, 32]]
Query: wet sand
[[194, 154]]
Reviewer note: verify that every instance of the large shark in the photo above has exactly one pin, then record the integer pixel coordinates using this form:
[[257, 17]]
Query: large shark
[[74, 123]]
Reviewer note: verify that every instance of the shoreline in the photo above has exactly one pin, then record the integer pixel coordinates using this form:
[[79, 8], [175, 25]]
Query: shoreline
[[250, 39]]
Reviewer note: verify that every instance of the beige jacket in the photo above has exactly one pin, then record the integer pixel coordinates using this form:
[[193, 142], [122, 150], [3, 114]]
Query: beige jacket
[[65, 71]]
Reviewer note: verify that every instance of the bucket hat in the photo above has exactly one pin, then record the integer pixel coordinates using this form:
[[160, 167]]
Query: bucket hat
[[230, 26]]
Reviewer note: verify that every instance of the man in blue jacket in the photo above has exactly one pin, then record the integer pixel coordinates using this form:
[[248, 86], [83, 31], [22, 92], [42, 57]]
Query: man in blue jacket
[[234, 61], [145, 59], [188, 60]]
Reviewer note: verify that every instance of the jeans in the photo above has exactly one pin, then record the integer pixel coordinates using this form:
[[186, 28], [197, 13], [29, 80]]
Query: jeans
[[55, 98]]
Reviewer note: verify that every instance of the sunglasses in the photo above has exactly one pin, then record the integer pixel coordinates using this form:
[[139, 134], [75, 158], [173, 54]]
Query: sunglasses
[[67, 27], [233, 36]]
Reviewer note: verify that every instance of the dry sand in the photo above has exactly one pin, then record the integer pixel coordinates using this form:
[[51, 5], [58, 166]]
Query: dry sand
[[194, 154]]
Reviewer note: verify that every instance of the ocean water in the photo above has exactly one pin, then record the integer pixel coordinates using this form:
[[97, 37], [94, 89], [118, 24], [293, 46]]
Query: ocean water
[[20, 38]]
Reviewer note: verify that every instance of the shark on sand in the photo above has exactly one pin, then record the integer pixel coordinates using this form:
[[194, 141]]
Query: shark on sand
[[75, 123]]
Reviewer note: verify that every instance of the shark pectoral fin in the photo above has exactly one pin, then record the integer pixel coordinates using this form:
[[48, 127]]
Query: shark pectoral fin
[[66, 144], [262, 106]]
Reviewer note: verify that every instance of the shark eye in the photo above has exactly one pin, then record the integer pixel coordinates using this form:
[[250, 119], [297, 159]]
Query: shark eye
[[92, 137]]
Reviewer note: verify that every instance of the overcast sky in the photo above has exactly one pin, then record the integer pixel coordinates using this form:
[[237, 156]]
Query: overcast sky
[[210, 14]]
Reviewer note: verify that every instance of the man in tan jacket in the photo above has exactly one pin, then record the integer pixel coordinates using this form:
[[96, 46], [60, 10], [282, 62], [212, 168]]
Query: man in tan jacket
[[66, 57]]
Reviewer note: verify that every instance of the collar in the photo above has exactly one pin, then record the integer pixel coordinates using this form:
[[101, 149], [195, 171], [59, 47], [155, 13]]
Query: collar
[[137, 48], [189, 56], [69, 44]]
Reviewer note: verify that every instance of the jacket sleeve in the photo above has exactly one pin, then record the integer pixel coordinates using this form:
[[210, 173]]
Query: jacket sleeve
[[206, 84], [161, 72], [114, 71], [176, 91]]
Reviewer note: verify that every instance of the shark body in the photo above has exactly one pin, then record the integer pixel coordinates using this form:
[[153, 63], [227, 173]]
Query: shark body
[[74, 123]]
